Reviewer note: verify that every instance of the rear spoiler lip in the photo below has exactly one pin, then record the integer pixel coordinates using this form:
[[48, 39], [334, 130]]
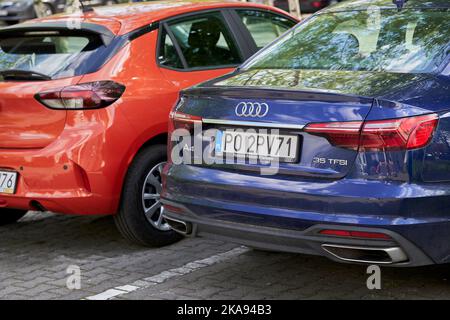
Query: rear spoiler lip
[[106, 35], [234, 92]]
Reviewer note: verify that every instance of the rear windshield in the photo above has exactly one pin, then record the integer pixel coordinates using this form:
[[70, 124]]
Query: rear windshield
[[53, 55], [407, 41]]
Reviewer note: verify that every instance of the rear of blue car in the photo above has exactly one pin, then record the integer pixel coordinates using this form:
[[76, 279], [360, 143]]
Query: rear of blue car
[[334, 141]]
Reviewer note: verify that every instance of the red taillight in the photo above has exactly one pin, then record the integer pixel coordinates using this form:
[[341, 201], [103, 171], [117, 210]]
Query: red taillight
[[355, 234], [92, 95], [340, 134], [405, 133], [179, 120], [184, 122], [316, 4], [394, 134]]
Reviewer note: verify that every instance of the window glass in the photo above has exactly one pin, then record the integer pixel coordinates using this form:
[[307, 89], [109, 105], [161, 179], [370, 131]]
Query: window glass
[[56, 56], [205, 41], [168, 55], [409, 41], [264, 26]]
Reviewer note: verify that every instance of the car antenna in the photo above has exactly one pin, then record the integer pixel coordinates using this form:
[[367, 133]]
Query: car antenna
[[400, 4]]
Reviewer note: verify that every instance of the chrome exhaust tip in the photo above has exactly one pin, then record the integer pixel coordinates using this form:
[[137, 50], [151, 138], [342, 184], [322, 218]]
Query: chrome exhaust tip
[[179, 226], [371, 255]]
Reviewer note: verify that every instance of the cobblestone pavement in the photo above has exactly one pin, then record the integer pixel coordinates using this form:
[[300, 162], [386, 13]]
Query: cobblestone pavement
[[36, 252]]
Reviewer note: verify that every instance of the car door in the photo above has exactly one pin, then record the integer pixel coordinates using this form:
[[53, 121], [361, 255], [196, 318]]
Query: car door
[[198, 47]]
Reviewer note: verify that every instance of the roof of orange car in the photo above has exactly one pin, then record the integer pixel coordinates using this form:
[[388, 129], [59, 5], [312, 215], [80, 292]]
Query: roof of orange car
[[123, 18]]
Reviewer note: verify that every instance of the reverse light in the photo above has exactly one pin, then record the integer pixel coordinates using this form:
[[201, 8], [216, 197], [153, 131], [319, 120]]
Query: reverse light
[[355, 234], [393, 134], [92, 95]]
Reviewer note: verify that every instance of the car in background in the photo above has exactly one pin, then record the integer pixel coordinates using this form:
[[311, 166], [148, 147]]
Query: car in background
[[334, 140], [306, 6], [15, 11], [84, 111]]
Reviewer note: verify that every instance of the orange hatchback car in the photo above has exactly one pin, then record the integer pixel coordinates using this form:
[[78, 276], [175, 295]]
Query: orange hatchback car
[[84, 103]]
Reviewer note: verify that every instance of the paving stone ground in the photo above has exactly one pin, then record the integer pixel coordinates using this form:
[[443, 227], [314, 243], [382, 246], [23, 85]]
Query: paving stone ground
[[36, 252]]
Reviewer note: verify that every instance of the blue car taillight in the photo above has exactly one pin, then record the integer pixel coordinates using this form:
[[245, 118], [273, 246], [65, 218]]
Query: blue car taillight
[[179, 120], [393, 134], [184, 124]]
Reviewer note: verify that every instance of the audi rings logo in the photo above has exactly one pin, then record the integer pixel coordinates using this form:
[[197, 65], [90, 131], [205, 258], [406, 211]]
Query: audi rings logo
[[252, 109]]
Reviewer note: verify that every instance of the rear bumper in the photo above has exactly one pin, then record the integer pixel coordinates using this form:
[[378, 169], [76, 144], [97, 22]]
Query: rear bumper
[[268, 213], [81, 172], [69, 202], [396, 252], [55, 183]]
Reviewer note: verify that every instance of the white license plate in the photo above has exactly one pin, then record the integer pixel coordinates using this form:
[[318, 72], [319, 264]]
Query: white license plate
[[8, 180], [253, 144], [3, 13]]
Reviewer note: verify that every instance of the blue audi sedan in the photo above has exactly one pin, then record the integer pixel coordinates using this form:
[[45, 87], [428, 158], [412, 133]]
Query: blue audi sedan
[[334, 140]]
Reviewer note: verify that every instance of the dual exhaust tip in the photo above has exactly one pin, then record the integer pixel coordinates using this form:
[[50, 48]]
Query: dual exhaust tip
[[370, 255], [179, 226], [354, 254]]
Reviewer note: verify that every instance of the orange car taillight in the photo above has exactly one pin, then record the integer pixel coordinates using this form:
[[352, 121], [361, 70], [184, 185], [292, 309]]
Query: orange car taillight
[[394, 134], [92, 95]]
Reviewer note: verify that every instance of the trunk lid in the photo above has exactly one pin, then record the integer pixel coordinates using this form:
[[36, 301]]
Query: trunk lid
[[296, 98], [288, 111]]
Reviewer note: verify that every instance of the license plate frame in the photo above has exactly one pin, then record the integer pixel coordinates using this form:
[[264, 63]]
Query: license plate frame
[[8, 182], [293, 157]]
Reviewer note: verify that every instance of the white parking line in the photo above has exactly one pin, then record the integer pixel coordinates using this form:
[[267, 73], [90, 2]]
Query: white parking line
[[169, 274]]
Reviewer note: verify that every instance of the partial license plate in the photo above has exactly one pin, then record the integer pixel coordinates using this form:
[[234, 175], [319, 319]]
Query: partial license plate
[[251, 144], [3, 13], [8, 180]]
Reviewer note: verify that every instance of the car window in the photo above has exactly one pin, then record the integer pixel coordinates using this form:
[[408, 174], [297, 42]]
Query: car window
[[168, 55], [205, 41], [409, 41], [264, 27], [56, 56]]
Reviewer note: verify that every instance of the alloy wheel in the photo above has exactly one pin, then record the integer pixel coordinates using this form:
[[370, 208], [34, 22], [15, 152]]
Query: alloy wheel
[[151, 202]]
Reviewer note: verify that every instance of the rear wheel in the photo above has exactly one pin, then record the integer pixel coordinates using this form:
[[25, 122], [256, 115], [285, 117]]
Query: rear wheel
[[140, 217], [8, 216]]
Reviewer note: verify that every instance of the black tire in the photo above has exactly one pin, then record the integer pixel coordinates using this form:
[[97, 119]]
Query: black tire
[[8, 216], [131, 220]]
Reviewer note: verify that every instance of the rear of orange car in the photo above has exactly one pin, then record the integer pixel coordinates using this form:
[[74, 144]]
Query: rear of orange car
[[84, 106], [53, 123]]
